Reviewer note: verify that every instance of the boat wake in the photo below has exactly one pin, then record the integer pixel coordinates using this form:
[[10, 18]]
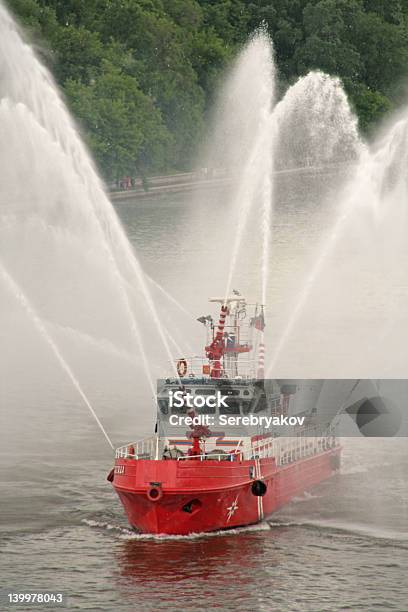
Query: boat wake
[[336, 527], [356, 529], [127, 534], [355, 469], [306, 496], [358, 468], [107, 526]]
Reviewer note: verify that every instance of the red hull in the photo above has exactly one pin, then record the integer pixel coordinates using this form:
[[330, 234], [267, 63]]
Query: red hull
[[198, 496]]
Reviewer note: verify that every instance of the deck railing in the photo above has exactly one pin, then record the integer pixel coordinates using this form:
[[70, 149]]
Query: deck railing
[[283, 449], [198, 367], [147, 448], [209, 457], [289, 449]]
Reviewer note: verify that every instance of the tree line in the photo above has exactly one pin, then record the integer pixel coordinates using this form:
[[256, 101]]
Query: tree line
[[140, 75]]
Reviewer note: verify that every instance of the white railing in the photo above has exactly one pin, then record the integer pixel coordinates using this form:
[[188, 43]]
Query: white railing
[[200, 367], [284, 450], [147, 448], [209, 457]]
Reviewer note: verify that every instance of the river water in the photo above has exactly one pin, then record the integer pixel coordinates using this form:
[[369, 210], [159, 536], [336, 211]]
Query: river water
[[342, 547]]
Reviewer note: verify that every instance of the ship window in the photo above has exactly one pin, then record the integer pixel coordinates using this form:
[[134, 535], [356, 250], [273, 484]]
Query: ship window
[[246, 392], [232, 408], [204, 391], [164, 406]]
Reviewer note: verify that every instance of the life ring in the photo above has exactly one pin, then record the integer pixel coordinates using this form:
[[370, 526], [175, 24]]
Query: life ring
[[154, 493], [182, 367]]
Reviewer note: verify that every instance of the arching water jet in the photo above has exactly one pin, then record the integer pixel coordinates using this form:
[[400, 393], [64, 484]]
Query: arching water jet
[[24, 302], [66, 193], [256, 62], [316, 128]]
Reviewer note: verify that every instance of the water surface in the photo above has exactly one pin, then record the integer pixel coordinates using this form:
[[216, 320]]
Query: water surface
[[342, 547]]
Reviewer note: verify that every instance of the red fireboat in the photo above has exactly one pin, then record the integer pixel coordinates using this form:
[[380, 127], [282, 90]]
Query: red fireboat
[[197, 478]]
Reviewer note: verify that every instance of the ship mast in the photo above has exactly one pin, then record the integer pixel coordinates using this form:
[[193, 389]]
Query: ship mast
[[225, 348], [215, 350]]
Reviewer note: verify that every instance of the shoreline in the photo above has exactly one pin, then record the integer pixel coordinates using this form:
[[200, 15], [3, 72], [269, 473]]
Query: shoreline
[[159, 187], [190, 181]]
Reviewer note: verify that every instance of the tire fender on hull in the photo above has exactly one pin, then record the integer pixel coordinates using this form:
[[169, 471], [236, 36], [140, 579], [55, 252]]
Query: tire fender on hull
[[259, 488], [154, 492]]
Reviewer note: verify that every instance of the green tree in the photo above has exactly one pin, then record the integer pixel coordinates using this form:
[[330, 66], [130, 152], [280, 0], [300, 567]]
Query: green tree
[[125, 130], [141, 74], [371, 106]]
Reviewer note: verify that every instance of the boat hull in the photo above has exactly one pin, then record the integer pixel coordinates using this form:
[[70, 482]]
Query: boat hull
[[183, 497]]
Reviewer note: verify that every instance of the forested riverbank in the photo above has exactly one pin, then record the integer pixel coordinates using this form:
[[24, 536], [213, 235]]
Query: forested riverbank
[[140, 75]]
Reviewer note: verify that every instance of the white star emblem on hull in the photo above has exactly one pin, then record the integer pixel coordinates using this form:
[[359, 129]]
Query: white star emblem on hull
[[232, 508]]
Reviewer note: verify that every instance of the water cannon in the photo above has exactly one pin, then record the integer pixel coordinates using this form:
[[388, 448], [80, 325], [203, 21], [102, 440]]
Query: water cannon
[[205, 319]]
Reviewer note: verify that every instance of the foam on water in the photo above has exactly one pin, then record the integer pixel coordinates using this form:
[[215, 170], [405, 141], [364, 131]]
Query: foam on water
[[128, 534], [358, 529], [305, 497]]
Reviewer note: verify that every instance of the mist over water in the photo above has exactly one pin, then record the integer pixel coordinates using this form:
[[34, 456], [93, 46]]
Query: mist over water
[[61, 242], [238, 150], [306, 217], [340, 306], [352, 299], [331, 272], [316, 125]]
